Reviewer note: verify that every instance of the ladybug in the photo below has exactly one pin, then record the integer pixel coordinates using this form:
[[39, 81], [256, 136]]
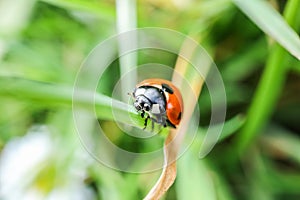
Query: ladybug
[[160, 100]]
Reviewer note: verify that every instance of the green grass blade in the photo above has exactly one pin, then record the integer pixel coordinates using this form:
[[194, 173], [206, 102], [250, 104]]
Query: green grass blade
[[269, 87], [60, 95], [194, 180], [126, 21], [272, 23], [231, 126], [100, 9], [284, 141], [249, 57]]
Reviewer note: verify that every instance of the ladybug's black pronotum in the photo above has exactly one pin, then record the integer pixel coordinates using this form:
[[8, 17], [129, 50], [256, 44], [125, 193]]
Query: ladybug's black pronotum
[[160, 100]]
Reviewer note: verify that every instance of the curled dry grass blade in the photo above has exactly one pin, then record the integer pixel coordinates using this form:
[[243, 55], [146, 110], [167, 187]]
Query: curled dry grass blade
[[176, 136]]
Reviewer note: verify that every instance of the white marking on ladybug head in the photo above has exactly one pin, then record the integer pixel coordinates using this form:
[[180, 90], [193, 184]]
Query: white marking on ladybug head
[[139, 91], [155, 109]]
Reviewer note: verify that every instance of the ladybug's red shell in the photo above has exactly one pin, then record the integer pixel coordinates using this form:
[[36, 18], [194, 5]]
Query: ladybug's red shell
[[174, 102]]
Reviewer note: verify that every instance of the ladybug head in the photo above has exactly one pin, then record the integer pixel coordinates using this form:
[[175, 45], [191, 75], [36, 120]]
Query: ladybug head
[[142, 103]]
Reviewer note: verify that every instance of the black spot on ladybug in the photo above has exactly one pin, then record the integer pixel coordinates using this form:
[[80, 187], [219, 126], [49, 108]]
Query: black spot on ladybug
[[179, 116], [170, 124], [167, 88]]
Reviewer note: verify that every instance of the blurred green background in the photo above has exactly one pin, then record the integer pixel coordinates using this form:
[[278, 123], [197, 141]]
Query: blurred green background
[[46, 41]]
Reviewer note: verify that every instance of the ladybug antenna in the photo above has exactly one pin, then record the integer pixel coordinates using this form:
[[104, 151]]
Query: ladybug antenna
[[130, 94]]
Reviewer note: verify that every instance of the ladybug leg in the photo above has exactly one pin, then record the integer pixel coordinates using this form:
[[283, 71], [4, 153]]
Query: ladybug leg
[[164, 122], [152, 125], [142, 114], [153, 120], [146, 122]]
